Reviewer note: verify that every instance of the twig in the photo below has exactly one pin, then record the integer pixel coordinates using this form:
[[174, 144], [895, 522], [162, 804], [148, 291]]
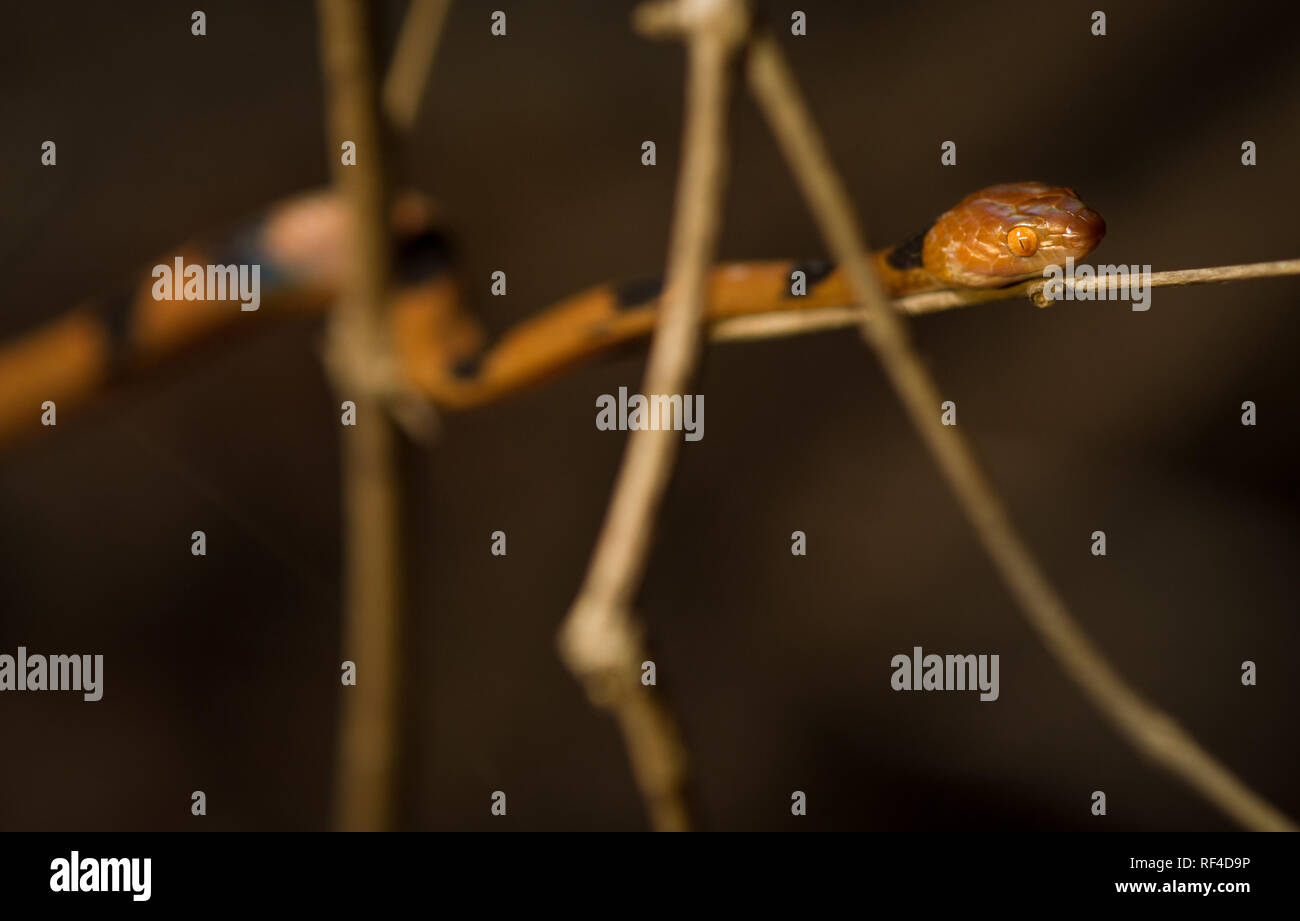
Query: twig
[[1038, 293], [356, 347], [601, 640], [1153, 732], [794, 323], [408, 72]]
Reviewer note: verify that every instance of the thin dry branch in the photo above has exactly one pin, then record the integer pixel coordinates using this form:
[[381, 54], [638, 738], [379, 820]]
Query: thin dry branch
[[357, 346], [408, 72], [794, 323], [601, 640], [1150, 730]]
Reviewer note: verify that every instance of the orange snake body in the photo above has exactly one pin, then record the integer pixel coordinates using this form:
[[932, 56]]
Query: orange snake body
[[997, 236]]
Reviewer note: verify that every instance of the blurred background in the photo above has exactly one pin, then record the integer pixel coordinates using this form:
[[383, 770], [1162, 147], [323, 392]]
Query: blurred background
[[221, 673]]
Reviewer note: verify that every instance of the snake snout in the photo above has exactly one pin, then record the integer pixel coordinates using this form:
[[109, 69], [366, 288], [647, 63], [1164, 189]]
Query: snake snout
[[1075, 228]]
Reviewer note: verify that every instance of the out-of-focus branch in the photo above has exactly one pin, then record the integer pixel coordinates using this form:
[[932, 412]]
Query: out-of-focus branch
[[1149, 729], [601, 640], [358, 352], [408, 72]]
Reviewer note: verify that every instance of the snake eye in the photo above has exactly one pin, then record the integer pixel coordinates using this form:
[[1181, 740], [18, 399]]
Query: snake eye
[[1022, 240]]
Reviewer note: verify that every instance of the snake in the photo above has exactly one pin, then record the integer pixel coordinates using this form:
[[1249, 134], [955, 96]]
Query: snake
[[996, 236]]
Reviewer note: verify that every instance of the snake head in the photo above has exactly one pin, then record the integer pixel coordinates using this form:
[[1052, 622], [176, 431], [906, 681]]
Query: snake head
[[1008, 233]]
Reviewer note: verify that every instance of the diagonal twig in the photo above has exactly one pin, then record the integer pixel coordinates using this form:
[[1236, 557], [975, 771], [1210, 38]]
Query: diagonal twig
[[408, 71], [1153, 732]]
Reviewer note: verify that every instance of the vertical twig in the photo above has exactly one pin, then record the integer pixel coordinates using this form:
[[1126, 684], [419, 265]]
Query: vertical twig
[[601, 640], [1151, 731], [356, 348]]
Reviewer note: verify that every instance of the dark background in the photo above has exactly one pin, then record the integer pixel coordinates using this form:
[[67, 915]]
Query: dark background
[[222, 672]]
